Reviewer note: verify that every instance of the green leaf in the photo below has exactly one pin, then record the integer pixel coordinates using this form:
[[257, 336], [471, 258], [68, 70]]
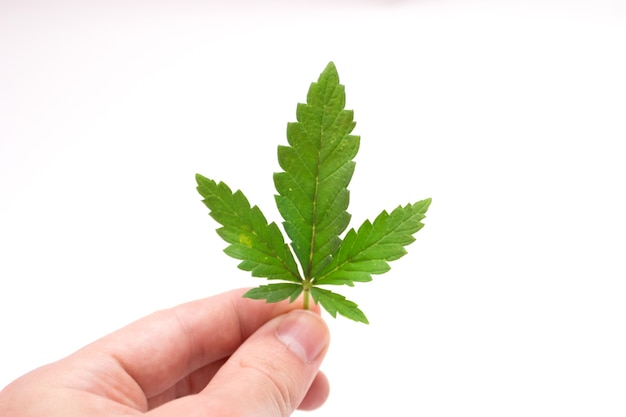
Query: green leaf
[[273, 293], [368, 250], [313, 201], [258, 244], [312, 191], [335, 303]]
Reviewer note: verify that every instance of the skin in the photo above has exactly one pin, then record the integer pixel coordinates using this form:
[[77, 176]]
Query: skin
[[222, 356]]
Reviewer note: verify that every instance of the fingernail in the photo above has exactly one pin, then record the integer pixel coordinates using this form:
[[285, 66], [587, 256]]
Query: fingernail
[[304, 333]]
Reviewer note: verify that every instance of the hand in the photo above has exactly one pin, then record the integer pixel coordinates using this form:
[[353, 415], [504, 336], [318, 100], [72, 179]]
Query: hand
[[239, 357]]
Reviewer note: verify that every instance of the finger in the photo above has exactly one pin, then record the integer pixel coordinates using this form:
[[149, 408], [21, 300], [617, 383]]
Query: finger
[[162, 349], [191, 384], [317, 393], [196, 382], [269, 375]]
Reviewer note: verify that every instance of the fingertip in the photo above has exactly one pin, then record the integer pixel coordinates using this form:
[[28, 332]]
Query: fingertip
[[276, 369], [317, 394], [304, 333]]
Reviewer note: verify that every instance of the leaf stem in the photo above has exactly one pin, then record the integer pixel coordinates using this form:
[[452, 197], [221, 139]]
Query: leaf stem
[[306, 299], [307, 292]]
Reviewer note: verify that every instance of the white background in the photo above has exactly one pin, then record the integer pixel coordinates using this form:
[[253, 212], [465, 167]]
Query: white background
[[510, 115]]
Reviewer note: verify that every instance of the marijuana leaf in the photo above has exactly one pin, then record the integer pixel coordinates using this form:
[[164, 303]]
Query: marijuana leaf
[[313, 195], [313, 200], [259, 245], [368, 250]]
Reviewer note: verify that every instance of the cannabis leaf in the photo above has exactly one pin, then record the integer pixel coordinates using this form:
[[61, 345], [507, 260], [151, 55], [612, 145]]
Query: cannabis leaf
[[313, 200]]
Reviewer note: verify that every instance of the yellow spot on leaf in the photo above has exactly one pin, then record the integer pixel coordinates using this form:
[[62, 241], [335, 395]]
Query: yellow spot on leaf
[[245, 240]]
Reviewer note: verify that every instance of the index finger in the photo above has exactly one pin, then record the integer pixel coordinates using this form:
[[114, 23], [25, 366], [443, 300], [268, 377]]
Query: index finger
[[164, 347]]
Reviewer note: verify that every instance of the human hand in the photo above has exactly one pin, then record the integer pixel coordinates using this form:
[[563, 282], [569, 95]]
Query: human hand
[[223, 356]]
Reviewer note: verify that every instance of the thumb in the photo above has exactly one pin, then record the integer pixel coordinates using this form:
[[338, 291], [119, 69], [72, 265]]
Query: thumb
[[269, 375]]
